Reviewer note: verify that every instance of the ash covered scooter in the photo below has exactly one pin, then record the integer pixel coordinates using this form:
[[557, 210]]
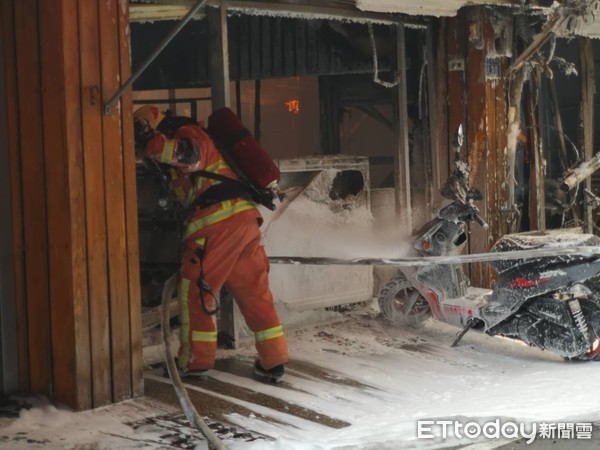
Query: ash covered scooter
[[550, 302]]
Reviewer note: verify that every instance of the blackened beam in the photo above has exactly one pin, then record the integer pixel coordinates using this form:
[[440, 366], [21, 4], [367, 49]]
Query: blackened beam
[[586, 251], [176, 29], [538, 42]]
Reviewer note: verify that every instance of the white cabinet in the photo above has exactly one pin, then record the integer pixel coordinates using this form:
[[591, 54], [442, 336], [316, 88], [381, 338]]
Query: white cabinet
[[329, 219]]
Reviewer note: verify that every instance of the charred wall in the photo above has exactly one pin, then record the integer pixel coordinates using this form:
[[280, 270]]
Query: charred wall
[[472, 56]]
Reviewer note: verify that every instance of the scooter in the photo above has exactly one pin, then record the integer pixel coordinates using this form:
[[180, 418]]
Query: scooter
[[552, 303]]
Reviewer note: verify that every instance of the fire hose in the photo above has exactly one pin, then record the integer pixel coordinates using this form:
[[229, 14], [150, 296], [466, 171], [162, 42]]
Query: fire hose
[[184, 399], [419, 261]]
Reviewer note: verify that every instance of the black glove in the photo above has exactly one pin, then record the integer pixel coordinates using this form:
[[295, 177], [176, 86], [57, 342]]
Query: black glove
[[187, 151], [142, 133]]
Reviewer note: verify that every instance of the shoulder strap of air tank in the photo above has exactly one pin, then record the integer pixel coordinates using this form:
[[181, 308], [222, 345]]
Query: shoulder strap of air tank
[[214, 176], [228, 189]]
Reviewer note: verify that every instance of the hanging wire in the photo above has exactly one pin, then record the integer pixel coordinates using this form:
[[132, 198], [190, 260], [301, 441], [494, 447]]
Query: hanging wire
[[552, 49], [422, 76], [376, 78]]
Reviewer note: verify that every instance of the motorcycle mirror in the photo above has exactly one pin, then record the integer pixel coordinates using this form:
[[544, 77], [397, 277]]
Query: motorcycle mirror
[[474, 194], [459, 138]]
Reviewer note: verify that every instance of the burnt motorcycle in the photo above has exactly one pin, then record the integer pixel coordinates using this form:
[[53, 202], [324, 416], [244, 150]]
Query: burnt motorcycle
[[550, 302]]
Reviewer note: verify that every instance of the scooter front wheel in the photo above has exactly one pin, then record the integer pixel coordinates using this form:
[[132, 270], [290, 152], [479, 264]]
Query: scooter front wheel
[[401, 303]]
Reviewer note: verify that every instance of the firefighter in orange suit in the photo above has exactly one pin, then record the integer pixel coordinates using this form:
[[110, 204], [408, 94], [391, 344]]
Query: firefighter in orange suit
[[221, 246]]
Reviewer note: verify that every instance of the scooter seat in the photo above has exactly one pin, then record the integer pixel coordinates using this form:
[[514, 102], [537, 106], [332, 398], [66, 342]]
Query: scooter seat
[[539, 239], [548, 238]]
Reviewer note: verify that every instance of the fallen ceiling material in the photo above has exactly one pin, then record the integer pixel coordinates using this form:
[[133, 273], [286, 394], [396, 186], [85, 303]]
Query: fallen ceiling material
[[586, 24], [436, 8], [345, 10]]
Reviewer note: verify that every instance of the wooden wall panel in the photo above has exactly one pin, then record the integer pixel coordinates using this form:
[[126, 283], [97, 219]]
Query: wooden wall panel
[[476, 132], [493, 174], [500, 47], [34, 201], [456, 60], [504, 226], [96, 236], [58, 207], [115, 187], [537, 210], [479, 101], [402, 180], [129, 175], [441, 106], [80, 256], [73, 188], [494, 165], [499, 224], [457, 29], [7, 16]]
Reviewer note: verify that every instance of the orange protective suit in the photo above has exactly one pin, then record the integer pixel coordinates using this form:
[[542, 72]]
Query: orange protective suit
[[221, 247]]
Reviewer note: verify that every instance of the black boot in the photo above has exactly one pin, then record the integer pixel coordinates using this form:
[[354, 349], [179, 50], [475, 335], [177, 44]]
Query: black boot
[[274, 374], [187, 374]]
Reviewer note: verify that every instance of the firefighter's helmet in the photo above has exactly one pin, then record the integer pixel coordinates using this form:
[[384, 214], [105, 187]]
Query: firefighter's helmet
[[151, 114]]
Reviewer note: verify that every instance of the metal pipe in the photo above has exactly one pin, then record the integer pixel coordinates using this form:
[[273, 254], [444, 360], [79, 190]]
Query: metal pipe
[[108, 106]]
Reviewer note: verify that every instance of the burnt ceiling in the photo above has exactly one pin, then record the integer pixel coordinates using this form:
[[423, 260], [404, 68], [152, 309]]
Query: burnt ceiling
[[375, 10], [260, 47]]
